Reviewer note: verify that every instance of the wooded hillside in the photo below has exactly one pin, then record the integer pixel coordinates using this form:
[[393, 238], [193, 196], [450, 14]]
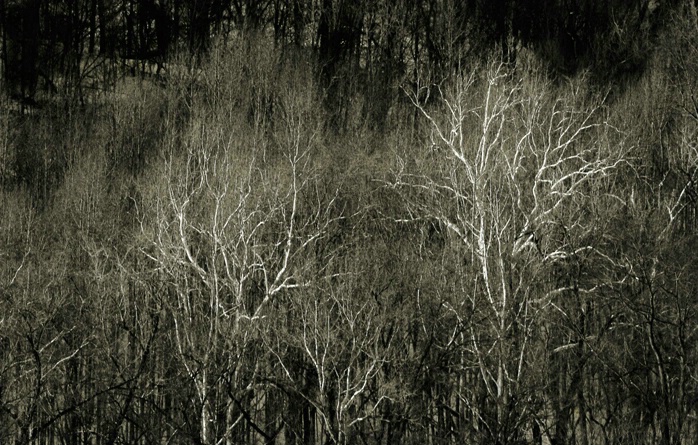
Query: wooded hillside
[[348, 222]]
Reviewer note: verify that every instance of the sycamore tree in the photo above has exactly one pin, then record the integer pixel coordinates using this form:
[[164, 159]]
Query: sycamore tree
[[509, 167], [231, 222], [342, 336]]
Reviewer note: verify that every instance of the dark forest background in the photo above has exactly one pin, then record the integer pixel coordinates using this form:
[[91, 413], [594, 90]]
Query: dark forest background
[[348, 222]]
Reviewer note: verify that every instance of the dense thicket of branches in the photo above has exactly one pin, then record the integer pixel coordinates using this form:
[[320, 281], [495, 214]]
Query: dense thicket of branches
[[348, 222], [72, 47]]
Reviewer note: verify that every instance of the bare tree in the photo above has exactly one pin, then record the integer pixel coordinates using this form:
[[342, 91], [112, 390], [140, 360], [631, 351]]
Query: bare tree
[[342, 335], [507, 165], [230, 231]]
